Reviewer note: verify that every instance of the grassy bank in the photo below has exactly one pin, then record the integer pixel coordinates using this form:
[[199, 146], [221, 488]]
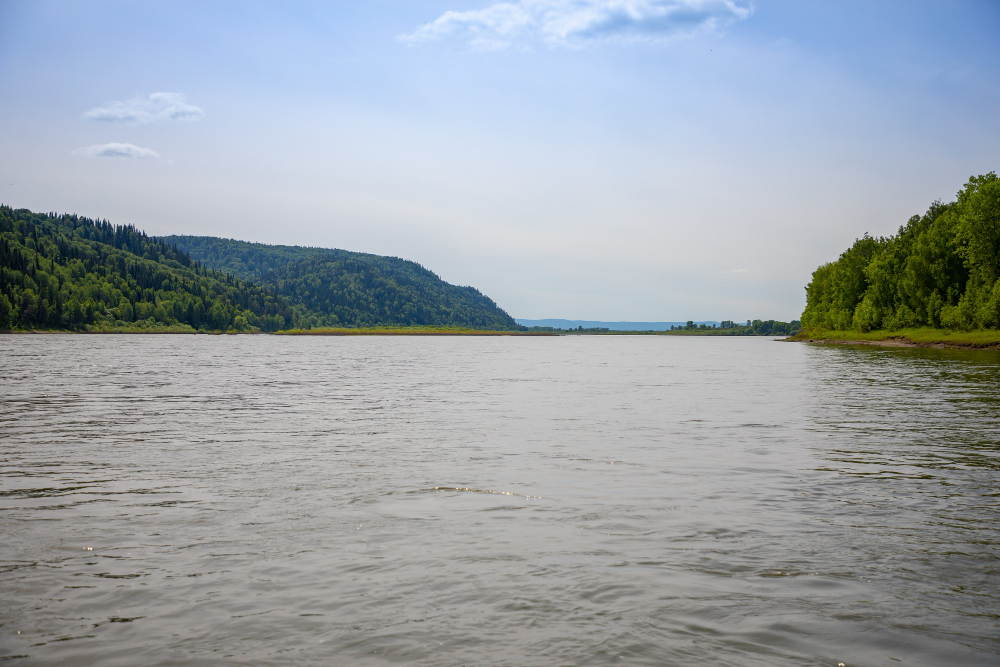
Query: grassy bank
[[141, 327], [406, 331], [918, 337]]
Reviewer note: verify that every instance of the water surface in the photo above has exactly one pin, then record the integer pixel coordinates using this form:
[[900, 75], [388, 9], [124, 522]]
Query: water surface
[[260, 500]]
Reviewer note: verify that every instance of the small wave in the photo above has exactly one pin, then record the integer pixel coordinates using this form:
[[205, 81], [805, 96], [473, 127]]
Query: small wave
[[467, 489]]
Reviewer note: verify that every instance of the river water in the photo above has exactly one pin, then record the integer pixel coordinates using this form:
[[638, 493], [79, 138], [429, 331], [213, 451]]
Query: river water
[[578, 500]]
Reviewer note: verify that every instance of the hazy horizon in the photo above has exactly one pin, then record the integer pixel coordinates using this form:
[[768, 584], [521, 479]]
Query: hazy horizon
[[655, 160]]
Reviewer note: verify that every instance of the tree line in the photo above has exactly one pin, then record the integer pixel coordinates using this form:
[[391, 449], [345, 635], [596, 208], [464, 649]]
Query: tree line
[[941, 269], [724, 328], [751, 328]]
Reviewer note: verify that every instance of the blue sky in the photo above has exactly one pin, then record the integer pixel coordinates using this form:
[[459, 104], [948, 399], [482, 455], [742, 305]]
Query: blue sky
[[594, 159]]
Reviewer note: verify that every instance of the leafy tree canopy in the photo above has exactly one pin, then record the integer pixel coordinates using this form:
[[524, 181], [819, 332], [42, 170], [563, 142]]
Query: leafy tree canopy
[[941, 269]]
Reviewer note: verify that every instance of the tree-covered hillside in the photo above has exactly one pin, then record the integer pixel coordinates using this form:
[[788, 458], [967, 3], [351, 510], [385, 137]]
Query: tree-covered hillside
[[941, 269], [350, 288], [70, 272]]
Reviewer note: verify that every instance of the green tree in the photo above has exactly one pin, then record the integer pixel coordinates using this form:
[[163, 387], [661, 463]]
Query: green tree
[[6, 312], [125, 310], [940, 269]]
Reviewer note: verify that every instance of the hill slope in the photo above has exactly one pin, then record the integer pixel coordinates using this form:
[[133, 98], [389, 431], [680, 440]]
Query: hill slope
[[70, 272], [349, 288]]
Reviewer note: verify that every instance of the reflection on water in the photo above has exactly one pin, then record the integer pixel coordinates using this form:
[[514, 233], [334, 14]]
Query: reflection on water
[[549, 501]]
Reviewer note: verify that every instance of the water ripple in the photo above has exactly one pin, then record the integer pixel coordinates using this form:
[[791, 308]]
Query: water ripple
[[524, 501]]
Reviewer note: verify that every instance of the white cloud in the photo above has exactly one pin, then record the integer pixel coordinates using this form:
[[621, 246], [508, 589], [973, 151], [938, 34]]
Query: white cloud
[[737, 271], [145, 110], [572, 22], [117, 150]]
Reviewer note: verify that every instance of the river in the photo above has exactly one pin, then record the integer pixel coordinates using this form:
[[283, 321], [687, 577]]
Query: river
[[575, 500]]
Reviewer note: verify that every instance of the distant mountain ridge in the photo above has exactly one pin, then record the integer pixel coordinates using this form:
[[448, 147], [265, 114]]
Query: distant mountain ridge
[[347, 288], [612, 326]]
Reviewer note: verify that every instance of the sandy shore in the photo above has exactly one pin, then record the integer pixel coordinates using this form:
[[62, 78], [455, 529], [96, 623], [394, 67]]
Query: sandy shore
[[900, 341]]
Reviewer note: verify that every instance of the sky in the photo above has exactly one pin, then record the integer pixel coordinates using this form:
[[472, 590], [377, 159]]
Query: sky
[[586, 159]]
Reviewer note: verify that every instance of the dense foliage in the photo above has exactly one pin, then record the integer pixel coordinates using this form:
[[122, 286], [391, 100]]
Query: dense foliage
[[350, 288], [69, 272], [941, 269]]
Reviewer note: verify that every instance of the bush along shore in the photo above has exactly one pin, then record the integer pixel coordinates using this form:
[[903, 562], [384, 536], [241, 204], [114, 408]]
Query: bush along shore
[[936, 282]]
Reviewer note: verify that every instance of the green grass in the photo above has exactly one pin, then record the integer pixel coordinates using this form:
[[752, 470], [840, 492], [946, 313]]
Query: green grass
[[403, 331], [142, 326], [922, 336]]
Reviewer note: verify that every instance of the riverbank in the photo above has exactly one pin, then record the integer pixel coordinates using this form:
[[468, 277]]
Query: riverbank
[[172, 329], [361, 331], [714, 332], [988, 339], [407, 331], [380, 331]]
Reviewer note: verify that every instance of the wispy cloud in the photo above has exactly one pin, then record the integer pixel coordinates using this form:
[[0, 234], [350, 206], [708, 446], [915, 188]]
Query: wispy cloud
[[737, 271], [117, 150], [146, 110], [574, 22]]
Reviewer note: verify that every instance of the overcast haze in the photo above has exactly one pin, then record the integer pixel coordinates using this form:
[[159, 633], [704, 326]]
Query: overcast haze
[[584, 159]]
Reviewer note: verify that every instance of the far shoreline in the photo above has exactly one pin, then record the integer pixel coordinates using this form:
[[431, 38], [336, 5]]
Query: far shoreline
[[923, 337], [308, 332], [404, 332], [387, 331]]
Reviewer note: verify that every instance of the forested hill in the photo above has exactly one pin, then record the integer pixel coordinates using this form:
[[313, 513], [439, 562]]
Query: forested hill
[[350, 288], [70, 272], [941, 269]]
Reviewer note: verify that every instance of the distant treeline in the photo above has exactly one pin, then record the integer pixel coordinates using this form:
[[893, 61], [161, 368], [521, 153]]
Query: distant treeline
[[725, 328], [347, 288], [941, 269], [751, 328], [71, 272]]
